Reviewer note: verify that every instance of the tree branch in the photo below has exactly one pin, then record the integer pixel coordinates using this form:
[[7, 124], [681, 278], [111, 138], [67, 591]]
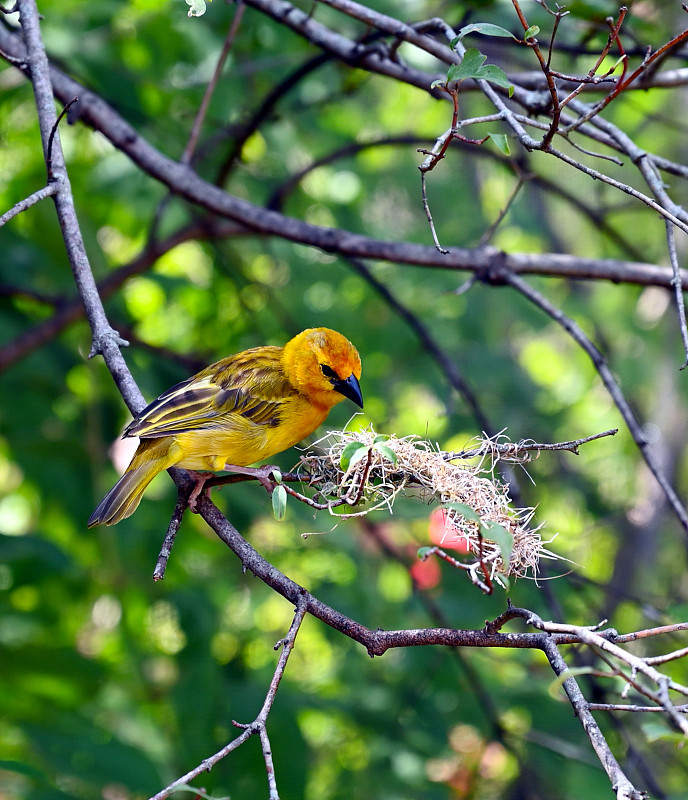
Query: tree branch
[[183, 181], [27, 202], [611, 385], [105, 339], [259, 724]]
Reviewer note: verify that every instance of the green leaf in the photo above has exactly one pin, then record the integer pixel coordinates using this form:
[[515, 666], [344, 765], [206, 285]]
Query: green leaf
[[473, 66], [657, 731], [503, 581], [386, 452], [381, 437], [502, 142], [436, 83], [424, 552], [559, 681], [486, 28], [470, 66], [345, 460], [277, 476], [279, 502], [465, 511], [493, 74], [359, 455], [196, 8], [501, 536], [532, 31]]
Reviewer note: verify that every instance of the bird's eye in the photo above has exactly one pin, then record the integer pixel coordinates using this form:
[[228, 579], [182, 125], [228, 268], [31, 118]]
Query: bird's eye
[[328, 372]]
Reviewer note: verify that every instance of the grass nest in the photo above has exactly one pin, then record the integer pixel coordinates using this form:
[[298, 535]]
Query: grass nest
[[367, 469]]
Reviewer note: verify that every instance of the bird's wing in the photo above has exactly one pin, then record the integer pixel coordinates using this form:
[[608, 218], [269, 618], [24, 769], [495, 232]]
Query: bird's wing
[[251, 385]]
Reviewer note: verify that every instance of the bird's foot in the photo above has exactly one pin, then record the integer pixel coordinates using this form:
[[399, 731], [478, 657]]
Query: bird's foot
[[200, 478], [262, 474]]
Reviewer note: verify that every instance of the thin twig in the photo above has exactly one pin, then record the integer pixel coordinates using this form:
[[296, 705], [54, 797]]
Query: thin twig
[[105, 340], [187, 184], [621, 784], [639, 665], [661, 630], [551, 86], [677, 283], [472, 569], [49, 158], [683, 709], [258, 726], [183, 492], [490, 232], [27, 202], [666, 657], [190, 148], [622, 85], [514, 450], [428, 214], [613, 37], [610, 383], [448, 365]]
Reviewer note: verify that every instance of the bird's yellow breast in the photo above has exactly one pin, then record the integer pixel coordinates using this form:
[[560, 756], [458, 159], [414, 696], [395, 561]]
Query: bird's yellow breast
[[242, 442]]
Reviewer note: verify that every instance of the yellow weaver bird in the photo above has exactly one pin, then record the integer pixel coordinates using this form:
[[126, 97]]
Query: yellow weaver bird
[[240, 410]]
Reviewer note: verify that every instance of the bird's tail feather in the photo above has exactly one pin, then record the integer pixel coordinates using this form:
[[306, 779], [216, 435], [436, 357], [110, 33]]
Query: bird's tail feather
[[124, 497]]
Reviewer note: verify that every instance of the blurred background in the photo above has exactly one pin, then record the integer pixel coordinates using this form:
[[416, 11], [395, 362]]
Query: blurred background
[[111, 685]]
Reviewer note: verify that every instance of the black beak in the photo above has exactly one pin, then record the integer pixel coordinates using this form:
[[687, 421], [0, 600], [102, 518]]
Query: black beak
[[349, 388]]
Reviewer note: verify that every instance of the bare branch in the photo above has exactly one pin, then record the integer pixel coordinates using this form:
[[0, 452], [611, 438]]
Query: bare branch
[[259, 724], [611, 385], [519, 451], [51, 138], [71, 310], [190, 148], [678, 289], [27, 202], [105, 339], [186, 183], [621, 785], [638, 665]]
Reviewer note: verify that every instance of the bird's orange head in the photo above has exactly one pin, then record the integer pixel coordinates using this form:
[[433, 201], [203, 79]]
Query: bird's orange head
[[324, 366]]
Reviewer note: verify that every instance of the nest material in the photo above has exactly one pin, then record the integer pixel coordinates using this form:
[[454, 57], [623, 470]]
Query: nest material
[[419, 468]]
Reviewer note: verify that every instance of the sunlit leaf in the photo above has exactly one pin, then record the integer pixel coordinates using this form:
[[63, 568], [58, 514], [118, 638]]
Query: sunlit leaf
[[196, 8], [473, 66], [502, 142], [279, 502], [469, 67], [386, 452], [465, 511], [486, 28], [493, 74], [501, 536], [348, 452]]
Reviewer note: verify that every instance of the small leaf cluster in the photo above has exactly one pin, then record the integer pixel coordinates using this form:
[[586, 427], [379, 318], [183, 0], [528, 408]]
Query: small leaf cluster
[[356, 451]]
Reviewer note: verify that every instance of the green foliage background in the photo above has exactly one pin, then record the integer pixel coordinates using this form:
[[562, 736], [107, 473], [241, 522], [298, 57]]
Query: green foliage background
[[111, 686]]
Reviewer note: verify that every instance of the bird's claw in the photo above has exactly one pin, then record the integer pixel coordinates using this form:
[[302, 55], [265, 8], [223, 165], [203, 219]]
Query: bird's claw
[[265, 477], [264, 474], [199, 488]]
